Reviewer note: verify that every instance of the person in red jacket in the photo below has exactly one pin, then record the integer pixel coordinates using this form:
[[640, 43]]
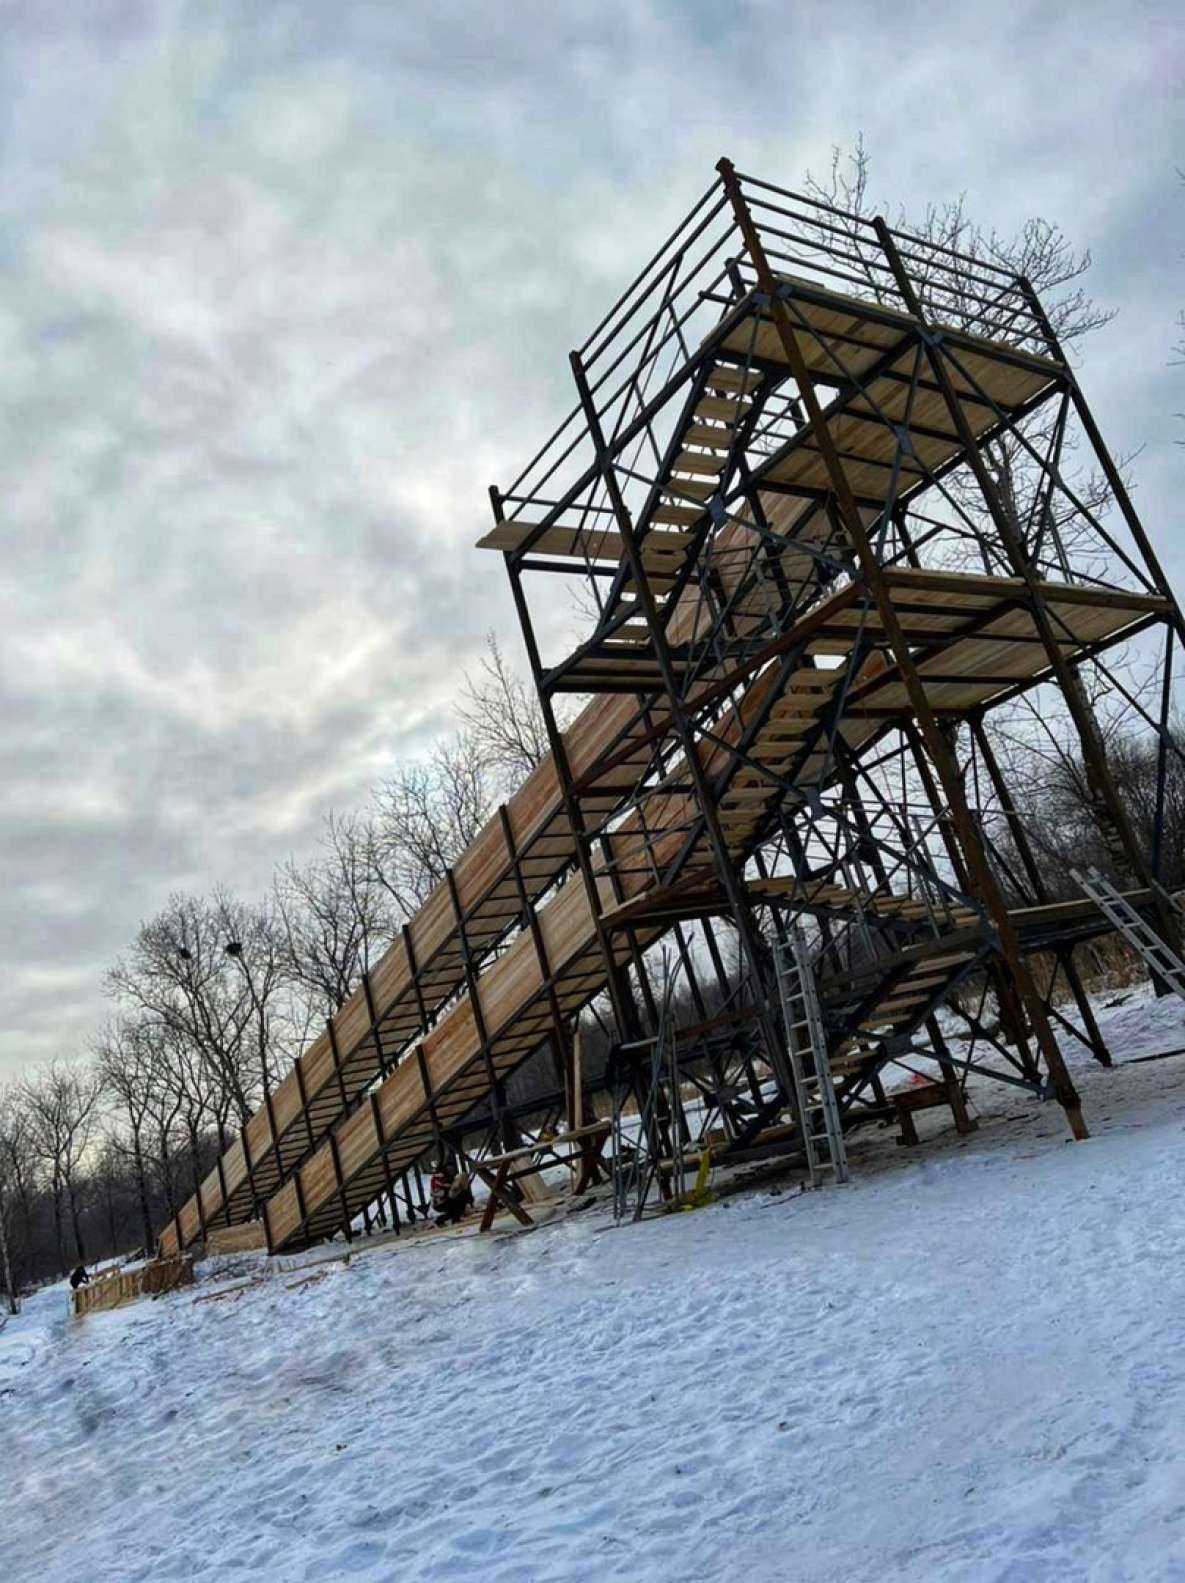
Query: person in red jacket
[[451, 1194]]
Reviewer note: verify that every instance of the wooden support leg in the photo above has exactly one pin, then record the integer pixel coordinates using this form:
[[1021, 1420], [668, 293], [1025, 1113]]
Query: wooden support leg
[[499, 1194], [964, 1122], [591, 1167], [909, 1132]]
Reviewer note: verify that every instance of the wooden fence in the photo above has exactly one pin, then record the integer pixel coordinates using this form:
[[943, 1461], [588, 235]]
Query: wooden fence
[[116, 1287]]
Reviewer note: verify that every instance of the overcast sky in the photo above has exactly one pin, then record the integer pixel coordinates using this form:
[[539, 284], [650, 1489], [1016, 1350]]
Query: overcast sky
[[287, 284]]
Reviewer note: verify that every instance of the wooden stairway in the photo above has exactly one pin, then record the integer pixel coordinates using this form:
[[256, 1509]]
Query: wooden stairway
[[890, 998], [400, 1121]]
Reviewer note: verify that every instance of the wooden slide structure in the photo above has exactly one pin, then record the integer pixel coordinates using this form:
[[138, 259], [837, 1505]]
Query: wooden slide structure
[[517, 939]]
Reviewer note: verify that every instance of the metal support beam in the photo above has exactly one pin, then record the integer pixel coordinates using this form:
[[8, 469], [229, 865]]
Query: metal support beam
[[705, 796], [937, 747]]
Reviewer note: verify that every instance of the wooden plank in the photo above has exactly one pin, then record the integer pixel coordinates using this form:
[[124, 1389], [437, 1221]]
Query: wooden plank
[[116, 1287], [700, 488], [718, 407], [697, 462], [682, 516], [580, 543], [246, 1237], [713, 438], [724, 376]]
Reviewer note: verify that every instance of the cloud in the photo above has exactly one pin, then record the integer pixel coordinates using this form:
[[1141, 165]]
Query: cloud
[[285, 287]]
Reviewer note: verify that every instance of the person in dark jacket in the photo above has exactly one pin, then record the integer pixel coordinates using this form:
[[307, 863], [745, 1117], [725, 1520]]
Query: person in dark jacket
[[451, 1194]]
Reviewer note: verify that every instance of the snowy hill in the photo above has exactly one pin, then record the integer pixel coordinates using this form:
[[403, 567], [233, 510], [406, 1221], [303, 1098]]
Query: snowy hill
[[963, 1365]]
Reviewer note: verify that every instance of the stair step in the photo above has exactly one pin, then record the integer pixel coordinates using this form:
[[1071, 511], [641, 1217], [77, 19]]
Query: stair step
[[728, 411], [714, 436], [697, 462], [682, 516], [658, 552], [701, 488], [725, 377]]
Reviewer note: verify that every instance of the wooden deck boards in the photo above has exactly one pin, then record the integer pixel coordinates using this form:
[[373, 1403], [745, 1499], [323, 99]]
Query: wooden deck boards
[[347, 1060]]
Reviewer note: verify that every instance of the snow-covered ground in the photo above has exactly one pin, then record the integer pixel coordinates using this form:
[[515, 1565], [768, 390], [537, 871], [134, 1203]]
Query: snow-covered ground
[[964, 1365]]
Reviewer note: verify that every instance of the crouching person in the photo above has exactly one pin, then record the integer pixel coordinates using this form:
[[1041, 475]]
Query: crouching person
[[451, 1195]]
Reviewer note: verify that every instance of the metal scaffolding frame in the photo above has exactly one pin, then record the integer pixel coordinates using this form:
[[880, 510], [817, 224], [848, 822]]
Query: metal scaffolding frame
[[797, 593]]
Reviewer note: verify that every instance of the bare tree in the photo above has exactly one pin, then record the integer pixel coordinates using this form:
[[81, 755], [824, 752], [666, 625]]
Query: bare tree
[[1040, 251], [1054, 510], [12, 1127], [163, 1126], [1055, 526], [128, 1052], [211, 973], [253, 944], [12, 1298], [18, 1170], [109, 1191], [425, 817], [201, 1103], [63, 1106], [334, 915], [505, 718]]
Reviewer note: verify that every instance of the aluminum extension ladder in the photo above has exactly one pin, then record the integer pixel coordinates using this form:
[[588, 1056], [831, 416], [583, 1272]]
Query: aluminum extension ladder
[[806, 1042], [1137, 931], [632, 1182]]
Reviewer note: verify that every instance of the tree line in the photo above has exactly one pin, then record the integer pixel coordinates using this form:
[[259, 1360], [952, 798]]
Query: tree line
[[216, 996]]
